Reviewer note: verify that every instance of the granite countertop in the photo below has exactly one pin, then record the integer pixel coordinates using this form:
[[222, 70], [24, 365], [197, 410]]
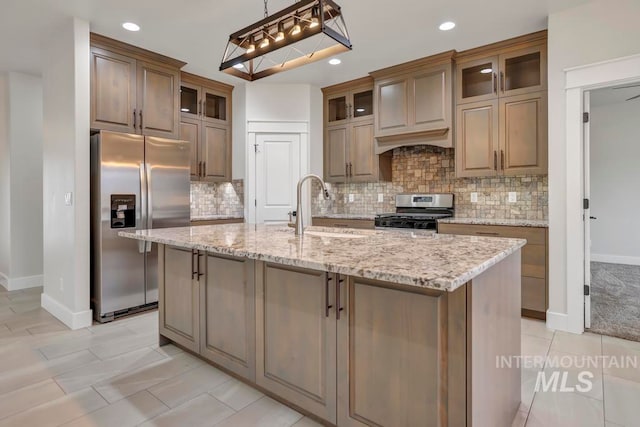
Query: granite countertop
[[428, 260], [214, 217], [494, 221], [367, 217]]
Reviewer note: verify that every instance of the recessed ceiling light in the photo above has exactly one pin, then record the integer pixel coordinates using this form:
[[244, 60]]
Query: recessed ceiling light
[[446, 26], [239, 66], [130, 26], [334, 61], [486, 70]]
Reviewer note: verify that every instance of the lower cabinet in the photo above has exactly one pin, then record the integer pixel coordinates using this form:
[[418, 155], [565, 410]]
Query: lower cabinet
[[344, 223], [207, 305]]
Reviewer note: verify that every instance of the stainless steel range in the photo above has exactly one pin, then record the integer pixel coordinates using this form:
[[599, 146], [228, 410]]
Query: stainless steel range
[[417, 211]]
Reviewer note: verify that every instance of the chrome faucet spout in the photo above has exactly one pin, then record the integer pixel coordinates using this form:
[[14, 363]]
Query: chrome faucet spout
[[299, 227]]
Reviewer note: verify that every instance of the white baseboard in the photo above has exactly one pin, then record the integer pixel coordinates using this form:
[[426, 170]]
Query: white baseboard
[[15, 284], [74, 320], [616, 259], [557, 321]]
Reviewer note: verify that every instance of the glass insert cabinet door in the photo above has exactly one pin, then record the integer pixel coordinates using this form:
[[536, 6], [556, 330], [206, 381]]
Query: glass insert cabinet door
[[189, 100], [337, 109], [478, 80], [215, 106], [362, 103], [523, 71]]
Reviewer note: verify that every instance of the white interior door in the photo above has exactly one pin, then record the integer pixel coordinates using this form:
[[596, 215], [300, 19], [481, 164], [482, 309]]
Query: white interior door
[[587, 213], [277, 174]]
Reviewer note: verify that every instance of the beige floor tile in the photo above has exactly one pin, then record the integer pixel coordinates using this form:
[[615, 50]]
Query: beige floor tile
[[101, 370], [129, 383], [74, 344], [536, 328], [264, 412], [166, 350], [24, 306], [236, 394], [58, 411], [177, 390], [29, 319], [623, 358], [36, 372], [16, 356], [45, 329], [571, 367], [528, 386], [27, 397], [622, 400], [565, 410], [125, 343], [532, 346], [520, 419], [307, 422], [587, 344], [202, 411], [127, 412]]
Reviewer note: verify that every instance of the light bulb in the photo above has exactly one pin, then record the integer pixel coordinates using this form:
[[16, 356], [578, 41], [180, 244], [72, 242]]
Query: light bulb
[[314, 17], [265, 42], [252, 45], [296, 26], [280, 34]]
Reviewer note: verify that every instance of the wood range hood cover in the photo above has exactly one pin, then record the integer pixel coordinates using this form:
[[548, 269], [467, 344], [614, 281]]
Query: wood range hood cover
[[413, 103]]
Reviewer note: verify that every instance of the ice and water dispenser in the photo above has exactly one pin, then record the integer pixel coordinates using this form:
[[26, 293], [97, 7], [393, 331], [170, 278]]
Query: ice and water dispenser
[[123, 211]]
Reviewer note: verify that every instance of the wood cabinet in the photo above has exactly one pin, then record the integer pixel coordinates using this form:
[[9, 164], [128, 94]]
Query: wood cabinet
[[349, 145], [413, 103], [501, 108], [198, 222], [344, 223], [296, 337], [207, 305], [535, 260], [133, 90], [205, 107]]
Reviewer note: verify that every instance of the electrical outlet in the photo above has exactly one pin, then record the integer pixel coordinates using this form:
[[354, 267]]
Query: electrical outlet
[[351, 198], [380, 197], [68, 199], [513, 197], [474, 197]]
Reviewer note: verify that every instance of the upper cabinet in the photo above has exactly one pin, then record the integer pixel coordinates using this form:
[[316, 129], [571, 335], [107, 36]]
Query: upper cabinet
[[133, 90], [349, 144], [501, 108], [413, 103], [205, 108]]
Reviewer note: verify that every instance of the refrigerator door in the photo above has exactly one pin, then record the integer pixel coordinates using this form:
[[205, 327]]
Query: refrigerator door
[[168, 171], [117, 204]]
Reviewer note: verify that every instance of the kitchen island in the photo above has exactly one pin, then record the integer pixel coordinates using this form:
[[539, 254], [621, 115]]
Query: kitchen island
[[356, 327]]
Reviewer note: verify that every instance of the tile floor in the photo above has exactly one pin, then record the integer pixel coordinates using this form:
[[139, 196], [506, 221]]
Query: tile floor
[[116, 375]]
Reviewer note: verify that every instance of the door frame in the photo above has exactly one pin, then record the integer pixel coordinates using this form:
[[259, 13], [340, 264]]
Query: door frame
[[578, 81], [255, 128]]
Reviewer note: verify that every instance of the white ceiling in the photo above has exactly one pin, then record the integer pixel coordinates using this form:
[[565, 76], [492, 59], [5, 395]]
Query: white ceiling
[[611, 95], [196, 31]]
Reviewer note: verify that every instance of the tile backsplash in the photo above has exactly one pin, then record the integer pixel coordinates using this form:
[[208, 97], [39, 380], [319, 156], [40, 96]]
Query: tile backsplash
[[224, 198], [427, 169]]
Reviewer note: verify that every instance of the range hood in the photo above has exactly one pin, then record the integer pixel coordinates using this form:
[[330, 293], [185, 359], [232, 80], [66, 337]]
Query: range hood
[[413, 103]]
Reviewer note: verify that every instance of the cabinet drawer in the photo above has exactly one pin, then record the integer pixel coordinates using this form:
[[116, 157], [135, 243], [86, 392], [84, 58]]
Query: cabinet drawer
[[534, 294], [344, 223], [534, 235], [534, 261]]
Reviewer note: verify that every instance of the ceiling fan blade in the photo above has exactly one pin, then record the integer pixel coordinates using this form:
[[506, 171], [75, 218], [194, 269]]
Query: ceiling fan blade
[[627, 87], [633, 97]]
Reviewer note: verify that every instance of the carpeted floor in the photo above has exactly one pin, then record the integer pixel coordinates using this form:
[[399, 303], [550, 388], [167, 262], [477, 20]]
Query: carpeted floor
[[615, 300]]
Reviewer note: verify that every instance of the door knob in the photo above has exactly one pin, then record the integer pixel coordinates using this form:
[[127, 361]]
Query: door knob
[[592, 217]]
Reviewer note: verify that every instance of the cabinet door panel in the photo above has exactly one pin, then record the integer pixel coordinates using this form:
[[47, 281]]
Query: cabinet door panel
[[392, 105], [216, 152], [477, 139], [430, 99], [523, 134], [297, 339], [337, 109], [113, 91], [392, 332], [534, 294], [190, 131], [523, 71], [158, 100], [335, 156], [228, 336], [190, 96], [362, 157], [179, 300], [477, 80], [217, 107]]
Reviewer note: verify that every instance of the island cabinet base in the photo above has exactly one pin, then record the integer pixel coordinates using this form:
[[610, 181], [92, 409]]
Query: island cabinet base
[[353, 351]]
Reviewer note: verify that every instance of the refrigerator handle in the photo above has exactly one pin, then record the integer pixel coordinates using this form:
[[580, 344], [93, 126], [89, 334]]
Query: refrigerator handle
[[142, 245], [149, 203]]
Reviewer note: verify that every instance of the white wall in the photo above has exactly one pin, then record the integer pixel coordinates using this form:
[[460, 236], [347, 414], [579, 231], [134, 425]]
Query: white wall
[[239, 131], [615, 194], [66, 169], [5, 192], [597, 31]]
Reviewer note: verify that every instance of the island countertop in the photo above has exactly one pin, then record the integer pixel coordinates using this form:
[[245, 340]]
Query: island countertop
[[437, 261]]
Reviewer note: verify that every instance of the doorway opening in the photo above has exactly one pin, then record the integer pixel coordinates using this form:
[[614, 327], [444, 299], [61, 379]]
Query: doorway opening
[[612, 229]]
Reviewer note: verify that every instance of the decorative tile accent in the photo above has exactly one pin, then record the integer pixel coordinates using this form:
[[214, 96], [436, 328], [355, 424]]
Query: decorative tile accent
[[427, 169], [224, 198]]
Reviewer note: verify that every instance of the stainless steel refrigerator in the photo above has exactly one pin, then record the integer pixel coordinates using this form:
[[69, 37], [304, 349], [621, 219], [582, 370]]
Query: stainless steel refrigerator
[[137, 182]]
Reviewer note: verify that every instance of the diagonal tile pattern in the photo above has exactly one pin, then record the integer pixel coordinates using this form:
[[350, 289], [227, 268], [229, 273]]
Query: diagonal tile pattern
[[115, 374]]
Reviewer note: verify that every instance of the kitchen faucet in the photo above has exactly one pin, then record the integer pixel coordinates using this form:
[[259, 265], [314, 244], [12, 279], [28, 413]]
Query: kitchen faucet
[[298, 224]]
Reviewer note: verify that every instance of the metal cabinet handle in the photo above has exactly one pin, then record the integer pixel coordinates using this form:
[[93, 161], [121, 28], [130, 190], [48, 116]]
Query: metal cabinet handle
[[486, 233], [502, 81], [204, 169], [502, 159], [194, 272], [346, 167], [135, 121], [200, 254], [339, 307], [204, 108], [495, 83], [350, 169], [495, 160], [326, 294], [141, 127]]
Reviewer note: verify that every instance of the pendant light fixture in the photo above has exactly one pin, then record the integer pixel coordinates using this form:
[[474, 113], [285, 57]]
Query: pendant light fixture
[[305, 32]]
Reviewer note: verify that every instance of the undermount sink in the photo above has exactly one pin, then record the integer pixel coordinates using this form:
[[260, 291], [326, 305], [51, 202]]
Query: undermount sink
[[332, 234]]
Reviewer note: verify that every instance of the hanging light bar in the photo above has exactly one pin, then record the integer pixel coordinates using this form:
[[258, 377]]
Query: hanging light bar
[[305, 32]]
